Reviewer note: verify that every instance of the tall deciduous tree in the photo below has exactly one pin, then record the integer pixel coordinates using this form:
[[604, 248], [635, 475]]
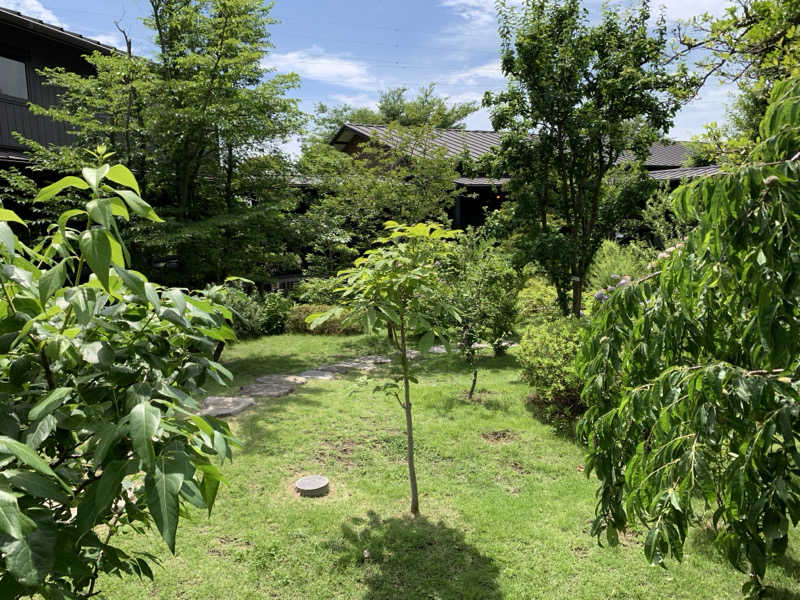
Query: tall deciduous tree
[[691, 374], [579, 98], [186, 119]]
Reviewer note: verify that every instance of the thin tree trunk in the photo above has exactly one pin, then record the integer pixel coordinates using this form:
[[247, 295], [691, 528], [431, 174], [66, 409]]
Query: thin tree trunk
[[474, 380], [412, 472]]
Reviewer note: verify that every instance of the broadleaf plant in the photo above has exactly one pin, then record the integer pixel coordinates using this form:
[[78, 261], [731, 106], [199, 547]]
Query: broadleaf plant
[[100, 375], [394, 285], [691, 374]]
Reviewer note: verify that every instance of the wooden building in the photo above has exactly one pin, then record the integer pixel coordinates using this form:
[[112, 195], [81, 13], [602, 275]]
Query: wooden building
[[27, 45], [482, 194]]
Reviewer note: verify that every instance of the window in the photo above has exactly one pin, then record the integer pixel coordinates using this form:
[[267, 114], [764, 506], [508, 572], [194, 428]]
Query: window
[[13, 81]]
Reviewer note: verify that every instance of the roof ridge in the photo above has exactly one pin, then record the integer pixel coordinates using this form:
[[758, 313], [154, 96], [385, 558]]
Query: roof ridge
[[56, 28], [456, 129]]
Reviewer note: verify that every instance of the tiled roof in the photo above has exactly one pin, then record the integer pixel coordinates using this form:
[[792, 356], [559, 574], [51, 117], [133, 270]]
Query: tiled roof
[[663, 155], [685, 172], [481, 181], [477, 143], [13, 17]]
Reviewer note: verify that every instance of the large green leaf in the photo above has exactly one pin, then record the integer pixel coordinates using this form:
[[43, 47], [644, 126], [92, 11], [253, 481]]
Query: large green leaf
[[96, 249], [143, 423], [56, 188], [94, 176], [100, 211], [13, 521], [7, 239], [49, 403], [10, 215], [52, 280], [27, 456], [30, 559], [162, 487], [36, 485], [122, 175], [139, 206]]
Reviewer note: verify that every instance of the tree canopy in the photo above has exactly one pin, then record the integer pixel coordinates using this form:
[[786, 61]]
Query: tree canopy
[[580, 98]]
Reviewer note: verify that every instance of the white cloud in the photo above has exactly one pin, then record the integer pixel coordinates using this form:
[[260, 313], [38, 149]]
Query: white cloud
[[110, 39], [356, 100], [314, 63], [476, 12], [32, 8], [477, 75]]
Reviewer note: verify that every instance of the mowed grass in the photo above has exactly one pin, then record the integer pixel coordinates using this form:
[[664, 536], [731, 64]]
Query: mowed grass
[[505, 507]]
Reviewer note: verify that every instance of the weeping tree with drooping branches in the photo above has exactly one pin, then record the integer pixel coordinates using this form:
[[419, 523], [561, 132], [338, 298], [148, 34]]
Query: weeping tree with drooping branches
[[692, 375]]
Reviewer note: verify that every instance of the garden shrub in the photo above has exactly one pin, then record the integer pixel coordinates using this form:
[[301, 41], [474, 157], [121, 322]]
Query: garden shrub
[[614, 261], [258, 314], [102, 376], [537, 300], [296, 321], [317, 290], [547, 355]]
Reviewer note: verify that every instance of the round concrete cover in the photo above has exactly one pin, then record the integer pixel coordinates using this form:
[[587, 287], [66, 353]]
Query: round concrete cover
[[312, 486]]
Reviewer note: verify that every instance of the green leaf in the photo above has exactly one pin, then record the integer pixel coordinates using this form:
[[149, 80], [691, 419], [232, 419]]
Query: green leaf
[[143, 424], [133, 282], [27, 456], [10, 215], [118, 208], [139, 206], [31, 559], [47, 405], [100, 211], [52, 280], [96, 249], [98, 353], [191, 492], [95, 176], [13, 521], [151, 294], [178, 300], [162, 487], [122, 175], [7, 239], [56, 188], [36, 485]]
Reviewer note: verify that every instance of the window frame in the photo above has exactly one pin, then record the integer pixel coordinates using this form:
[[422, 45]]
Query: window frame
[[19, 56]]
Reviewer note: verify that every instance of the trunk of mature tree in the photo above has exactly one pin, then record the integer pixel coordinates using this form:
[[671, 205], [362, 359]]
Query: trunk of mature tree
[[577, 296], [412, 472]]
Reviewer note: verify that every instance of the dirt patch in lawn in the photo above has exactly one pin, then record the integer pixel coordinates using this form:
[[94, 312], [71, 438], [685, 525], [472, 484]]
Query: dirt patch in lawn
[[496, 437]]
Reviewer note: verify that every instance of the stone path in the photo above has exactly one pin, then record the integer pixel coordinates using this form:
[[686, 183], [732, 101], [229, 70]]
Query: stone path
[[276, 386]]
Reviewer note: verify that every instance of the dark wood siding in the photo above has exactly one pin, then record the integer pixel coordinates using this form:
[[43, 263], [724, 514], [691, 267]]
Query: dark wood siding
[[37, 52]]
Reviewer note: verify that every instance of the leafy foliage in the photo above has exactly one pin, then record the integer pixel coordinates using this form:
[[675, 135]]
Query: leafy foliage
[[297, 321], [100, 377], [480, 284], [614, 261], [393, 285], [580, 97], [403, 176], [256, 314], [427, 109], [547, 354], [691, 375]]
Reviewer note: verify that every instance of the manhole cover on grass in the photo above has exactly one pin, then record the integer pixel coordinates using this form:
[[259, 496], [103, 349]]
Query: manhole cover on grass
[[312, 486]]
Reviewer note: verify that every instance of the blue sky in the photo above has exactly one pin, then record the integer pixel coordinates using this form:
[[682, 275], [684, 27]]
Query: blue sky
[[345, 51]]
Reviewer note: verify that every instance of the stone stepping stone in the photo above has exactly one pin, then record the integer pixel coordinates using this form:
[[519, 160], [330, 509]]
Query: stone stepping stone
[[281, 379], [438, 350], [318, 374], [225, 406], [266, 390], [376, 359]]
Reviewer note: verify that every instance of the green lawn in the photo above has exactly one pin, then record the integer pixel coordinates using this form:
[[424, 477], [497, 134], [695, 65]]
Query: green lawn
[[505, 507]]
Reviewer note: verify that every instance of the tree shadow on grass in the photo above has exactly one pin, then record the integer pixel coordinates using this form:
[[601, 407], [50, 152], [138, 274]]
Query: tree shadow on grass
[[703, 543], [414, 558]]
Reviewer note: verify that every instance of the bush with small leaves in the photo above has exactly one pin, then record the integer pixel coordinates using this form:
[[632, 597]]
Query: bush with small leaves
[[101, 371]]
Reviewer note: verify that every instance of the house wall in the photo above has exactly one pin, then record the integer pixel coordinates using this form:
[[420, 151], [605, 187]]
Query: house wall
[[36, 52]]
